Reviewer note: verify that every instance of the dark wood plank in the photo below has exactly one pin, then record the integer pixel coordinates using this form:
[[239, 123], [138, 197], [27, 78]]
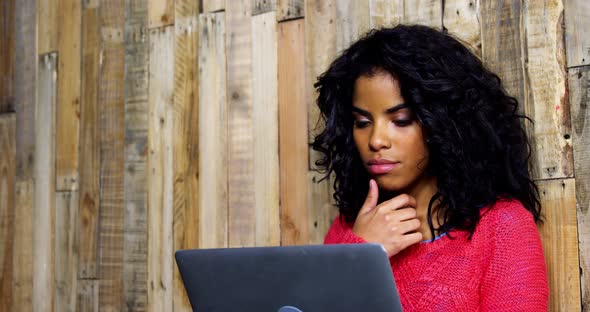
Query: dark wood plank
[[290, 9], [7, 192], [7, 56], [66, 250]]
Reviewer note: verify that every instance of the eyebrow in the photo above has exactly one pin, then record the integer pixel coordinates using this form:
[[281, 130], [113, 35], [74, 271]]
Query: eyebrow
[[390, 110]]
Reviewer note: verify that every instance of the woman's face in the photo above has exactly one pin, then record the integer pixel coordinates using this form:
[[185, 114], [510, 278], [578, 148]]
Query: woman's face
[[387, 134]]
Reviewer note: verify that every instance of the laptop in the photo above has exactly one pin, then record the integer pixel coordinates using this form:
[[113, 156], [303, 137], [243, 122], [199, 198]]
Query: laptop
[[341, 278]]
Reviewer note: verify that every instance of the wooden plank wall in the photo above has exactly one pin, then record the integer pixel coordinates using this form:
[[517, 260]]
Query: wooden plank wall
[[133, 128]]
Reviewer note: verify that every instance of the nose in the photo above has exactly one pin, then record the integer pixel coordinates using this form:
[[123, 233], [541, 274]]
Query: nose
[[379, 137]]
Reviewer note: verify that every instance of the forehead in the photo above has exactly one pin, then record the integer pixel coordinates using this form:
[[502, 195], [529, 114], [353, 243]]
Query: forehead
[[378, 89]]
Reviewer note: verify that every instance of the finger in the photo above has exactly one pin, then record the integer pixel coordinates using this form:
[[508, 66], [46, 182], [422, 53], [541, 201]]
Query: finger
[[411, 239], [372, 197], [400, 202], [408, 226], [402, 214]]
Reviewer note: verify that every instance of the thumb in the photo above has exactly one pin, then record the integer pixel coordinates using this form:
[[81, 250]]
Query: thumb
[[372, 197]]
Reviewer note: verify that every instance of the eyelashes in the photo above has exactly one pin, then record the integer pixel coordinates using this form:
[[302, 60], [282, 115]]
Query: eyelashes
[[360, 124]]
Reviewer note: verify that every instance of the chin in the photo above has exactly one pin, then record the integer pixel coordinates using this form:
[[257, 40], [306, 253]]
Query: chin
[[390, 184]]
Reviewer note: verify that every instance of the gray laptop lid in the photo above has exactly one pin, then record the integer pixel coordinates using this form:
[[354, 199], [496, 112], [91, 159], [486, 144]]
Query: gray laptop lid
[[341, 278]]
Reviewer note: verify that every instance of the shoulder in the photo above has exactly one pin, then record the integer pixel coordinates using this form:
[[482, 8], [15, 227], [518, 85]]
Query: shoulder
[[506, 212]]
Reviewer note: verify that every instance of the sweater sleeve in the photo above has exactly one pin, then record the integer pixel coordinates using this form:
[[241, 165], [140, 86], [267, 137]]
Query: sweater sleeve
[[516, 277], [341, 233]]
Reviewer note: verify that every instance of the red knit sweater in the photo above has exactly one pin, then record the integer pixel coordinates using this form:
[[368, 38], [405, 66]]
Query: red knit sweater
[[501, 268]]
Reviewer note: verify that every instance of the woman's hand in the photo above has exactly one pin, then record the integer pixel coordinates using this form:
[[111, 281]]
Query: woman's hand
[[392, 224]]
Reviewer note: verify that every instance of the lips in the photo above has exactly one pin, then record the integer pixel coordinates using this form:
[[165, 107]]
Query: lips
[[381, 166]]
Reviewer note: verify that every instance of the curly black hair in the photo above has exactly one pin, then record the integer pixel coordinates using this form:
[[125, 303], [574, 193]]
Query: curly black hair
[[478, 148]]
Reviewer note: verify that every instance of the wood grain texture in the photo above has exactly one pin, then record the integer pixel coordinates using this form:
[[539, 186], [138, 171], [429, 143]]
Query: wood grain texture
[[423, 12], [461, 19], [68, 97], [89, 147], [266, 130], [213, 200], [263, 6], [577, 23], [503, 45], [186, 138], [48, 21], [385, 13], [290, 9], [87, 296], [7, 55], [560, 244], [44, 173], [352, 21], [161, 169], [66, 251], [238, 45], [7, 192], [547, 101], [24, 92], [161, 13], [111, 103], [136, 135], [210, 6], [293, 148], [579, 95]]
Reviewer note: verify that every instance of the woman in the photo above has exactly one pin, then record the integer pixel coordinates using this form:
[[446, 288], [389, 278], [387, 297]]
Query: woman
[[431, 160]]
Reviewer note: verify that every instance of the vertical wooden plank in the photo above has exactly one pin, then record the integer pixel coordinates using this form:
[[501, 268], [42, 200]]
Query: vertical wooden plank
[[461, 19], [7, 60], [25, 93], [503, 45], [263, 6], [213, 200], [186, 138], [579, 87], [293, 148], [320, 50], [577, 23], [385, 13], [87, 296], [44, 172], [160, 172], [48, 26], [213, 5], [290, 9], [68, 112], [89, 147], [136, 134], [266, 132], [161, 13], [7, 192], [548, 106], [352, 21], [66, 251], [560, 243], [238, 45], [112, 157], [423, 12]]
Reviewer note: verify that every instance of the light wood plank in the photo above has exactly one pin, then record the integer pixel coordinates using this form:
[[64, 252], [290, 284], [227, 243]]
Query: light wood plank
[[210, 6], [263, 6], [48, 21], [385, 13], [266, 130], [66, 251], [579, 96], [25, 93], [560, 244], [352, 21], [161, 13], [68, 111], [577, 23], [238, 45], [290, 9], [186, 138], [87, 296], [213, 201], [7, 192], [161, 170], [461, 19], [547, 103], [503, 46], [111, 103], [7, 56], [89, 147], [44, 199], [293, 149], [135, 280], [423, 12]]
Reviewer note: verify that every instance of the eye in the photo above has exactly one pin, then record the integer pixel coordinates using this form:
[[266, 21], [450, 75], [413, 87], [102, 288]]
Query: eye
[[362, 123], [403, 122]]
